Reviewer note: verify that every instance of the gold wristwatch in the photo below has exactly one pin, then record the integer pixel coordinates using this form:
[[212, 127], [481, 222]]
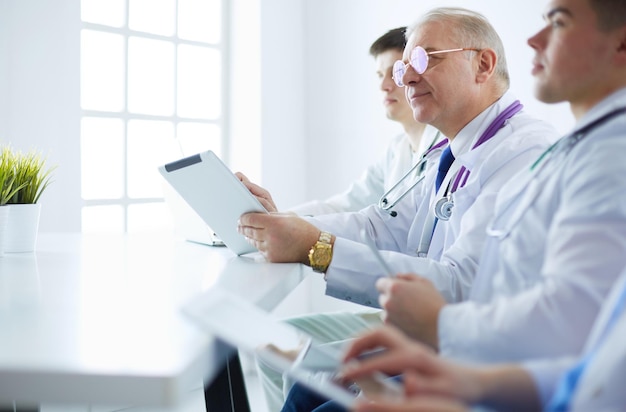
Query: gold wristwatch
[[321, 253]]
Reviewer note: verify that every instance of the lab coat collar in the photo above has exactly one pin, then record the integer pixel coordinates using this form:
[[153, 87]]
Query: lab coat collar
[[469, 135], [612, 102]]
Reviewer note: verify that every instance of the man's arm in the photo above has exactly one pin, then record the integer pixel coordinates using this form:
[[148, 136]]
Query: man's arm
[[428, 379]]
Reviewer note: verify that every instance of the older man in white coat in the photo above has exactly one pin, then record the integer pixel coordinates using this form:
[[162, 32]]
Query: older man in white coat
[[463, 92]]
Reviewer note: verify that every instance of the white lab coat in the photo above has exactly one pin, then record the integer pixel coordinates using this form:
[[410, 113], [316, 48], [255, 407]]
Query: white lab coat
[[601, 386], [539, 289], [375, 180], [455, 249]]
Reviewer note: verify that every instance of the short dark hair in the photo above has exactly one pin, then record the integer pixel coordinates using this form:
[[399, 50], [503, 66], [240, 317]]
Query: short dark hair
[[611, 13], [392, 40]]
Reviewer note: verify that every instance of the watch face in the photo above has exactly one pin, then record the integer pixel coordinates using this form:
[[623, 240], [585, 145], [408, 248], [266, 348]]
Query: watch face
[[322, 255]]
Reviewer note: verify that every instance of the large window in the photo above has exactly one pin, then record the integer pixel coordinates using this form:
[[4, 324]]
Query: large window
[[151, 92]]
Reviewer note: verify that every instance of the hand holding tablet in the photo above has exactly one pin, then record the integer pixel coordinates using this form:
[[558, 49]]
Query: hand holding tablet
[[215, 194]]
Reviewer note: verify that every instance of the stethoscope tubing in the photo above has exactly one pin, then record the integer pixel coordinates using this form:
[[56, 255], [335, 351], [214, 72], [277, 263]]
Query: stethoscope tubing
[[384, 204], [562, 147]]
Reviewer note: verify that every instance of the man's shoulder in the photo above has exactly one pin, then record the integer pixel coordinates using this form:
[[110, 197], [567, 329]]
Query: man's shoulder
[[526, 129]]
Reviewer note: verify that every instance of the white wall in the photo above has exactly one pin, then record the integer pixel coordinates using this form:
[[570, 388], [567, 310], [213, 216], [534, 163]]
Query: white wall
[[41, 87], [306, 113], [4, 78]]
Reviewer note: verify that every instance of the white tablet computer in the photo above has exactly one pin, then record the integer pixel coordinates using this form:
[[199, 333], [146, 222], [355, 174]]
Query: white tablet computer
[[215, 194], [282, 347]]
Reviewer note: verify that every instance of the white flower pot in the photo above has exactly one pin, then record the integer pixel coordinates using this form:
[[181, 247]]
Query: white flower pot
[[22, 228], [4, 222]]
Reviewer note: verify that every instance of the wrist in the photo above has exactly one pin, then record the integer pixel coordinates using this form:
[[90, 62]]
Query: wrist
[[321, 252]]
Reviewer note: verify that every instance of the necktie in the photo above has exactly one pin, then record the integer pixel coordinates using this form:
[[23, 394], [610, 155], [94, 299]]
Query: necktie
[[566, 387], [445, 161]]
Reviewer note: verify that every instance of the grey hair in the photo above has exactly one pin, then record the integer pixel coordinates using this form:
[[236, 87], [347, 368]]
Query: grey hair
[[471, 30]]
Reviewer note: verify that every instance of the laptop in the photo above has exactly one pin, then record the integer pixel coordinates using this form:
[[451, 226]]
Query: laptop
[[283, 347], [215, 194]]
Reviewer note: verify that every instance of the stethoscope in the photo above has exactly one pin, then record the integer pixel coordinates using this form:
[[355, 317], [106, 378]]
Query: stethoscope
[[417, 170], [443, 206], [532, 189], [442, 209]]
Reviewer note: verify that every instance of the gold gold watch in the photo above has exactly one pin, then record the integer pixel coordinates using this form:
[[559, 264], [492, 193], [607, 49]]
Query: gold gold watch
[[321, 253]]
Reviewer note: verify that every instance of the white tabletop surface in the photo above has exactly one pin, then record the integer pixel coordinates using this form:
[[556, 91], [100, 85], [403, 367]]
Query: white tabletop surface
[[96, 318]]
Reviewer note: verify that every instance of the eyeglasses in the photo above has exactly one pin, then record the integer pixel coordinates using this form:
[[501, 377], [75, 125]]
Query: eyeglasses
[[419, 61]]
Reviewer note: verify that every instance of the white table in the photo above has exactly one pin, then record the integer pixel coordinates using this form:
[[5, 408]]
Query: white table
[[96, 318]]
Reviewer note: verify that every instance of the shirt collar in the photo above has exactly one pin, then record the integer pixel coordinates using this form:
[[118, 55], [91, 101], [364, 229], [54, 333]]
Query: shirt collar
[[469, 135]]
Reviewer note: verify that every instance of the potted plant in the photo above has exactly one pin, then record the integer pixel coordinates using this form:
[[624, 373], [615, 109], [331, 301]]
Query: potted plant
[[30, 179]]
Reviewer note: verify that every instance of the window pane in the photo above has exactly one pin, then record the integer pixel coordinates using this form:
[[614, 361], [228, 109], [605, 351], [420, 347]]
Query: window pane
[[149, 217], [102, 158], [103, 219], [198, 137], [152, 16], [150, 76], [107, 12], [102, 71], [199, 82], [200, 20], [150, 145]]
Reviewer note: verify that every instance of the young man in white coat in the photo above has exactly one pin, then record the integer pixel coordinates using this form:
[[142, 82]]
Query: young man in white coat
[[402, 152], [556, 244], [593, 381], [463, 92]]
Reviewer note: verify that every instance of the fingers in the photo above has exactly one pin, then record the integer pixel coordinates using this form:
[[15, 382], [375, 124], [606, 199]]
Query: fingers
[[384, 337], [263, 195], [252, 226], [242, 178], [390, 363], [267, 204]]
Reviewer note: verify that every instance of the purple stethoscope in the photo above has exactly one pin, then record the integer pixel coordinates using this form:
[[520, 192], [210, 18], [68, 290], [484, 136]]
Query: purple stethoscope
[[443, 206]]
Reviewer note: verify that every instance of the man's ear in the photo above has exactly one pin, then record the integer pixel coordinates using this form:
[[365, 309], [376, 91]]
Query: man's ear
[[487, 60], [621, 46], [619, 57]]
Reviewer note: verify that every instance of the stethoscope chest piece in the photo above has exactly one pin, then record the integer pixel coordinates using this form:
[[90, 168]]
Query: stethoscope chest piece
[[443, 208]]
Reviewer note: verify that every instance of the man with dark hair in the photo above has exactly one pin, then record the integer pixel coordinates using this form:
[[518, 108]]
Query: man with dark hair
[[394, 39]]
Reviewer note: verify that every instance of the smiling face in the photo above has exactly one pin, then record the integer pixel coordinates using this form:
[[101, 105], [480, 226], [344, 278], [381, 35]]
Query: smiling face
[[396, 106], [573, 58], [444, 94]]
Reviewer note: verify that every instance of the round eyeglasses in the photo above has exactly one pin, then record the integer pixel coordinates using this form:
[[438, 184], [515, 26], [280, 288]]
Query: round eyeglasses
[[419, 61]]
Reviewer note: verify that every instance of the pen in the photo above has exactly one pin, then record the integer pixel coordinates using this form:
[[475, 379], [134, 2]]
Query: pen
[[370, 242]]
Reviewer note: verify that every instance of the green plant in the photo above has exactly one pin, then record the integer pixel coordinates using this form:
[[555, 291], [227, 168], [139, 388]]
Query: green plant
[[31, 179], [8, 185]]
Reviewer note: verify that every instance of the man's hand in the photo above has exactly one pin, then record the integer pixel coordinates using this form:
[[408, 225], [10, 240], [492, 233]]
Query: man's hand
[[412, 304], [430, 383], [260, 193], [280, 237]]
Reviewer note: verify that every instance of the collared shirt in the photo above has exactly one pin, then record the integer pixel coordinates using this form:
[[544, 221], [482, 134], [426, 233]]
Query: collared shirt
[[455, 248], [377, 179], [558, 244]]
